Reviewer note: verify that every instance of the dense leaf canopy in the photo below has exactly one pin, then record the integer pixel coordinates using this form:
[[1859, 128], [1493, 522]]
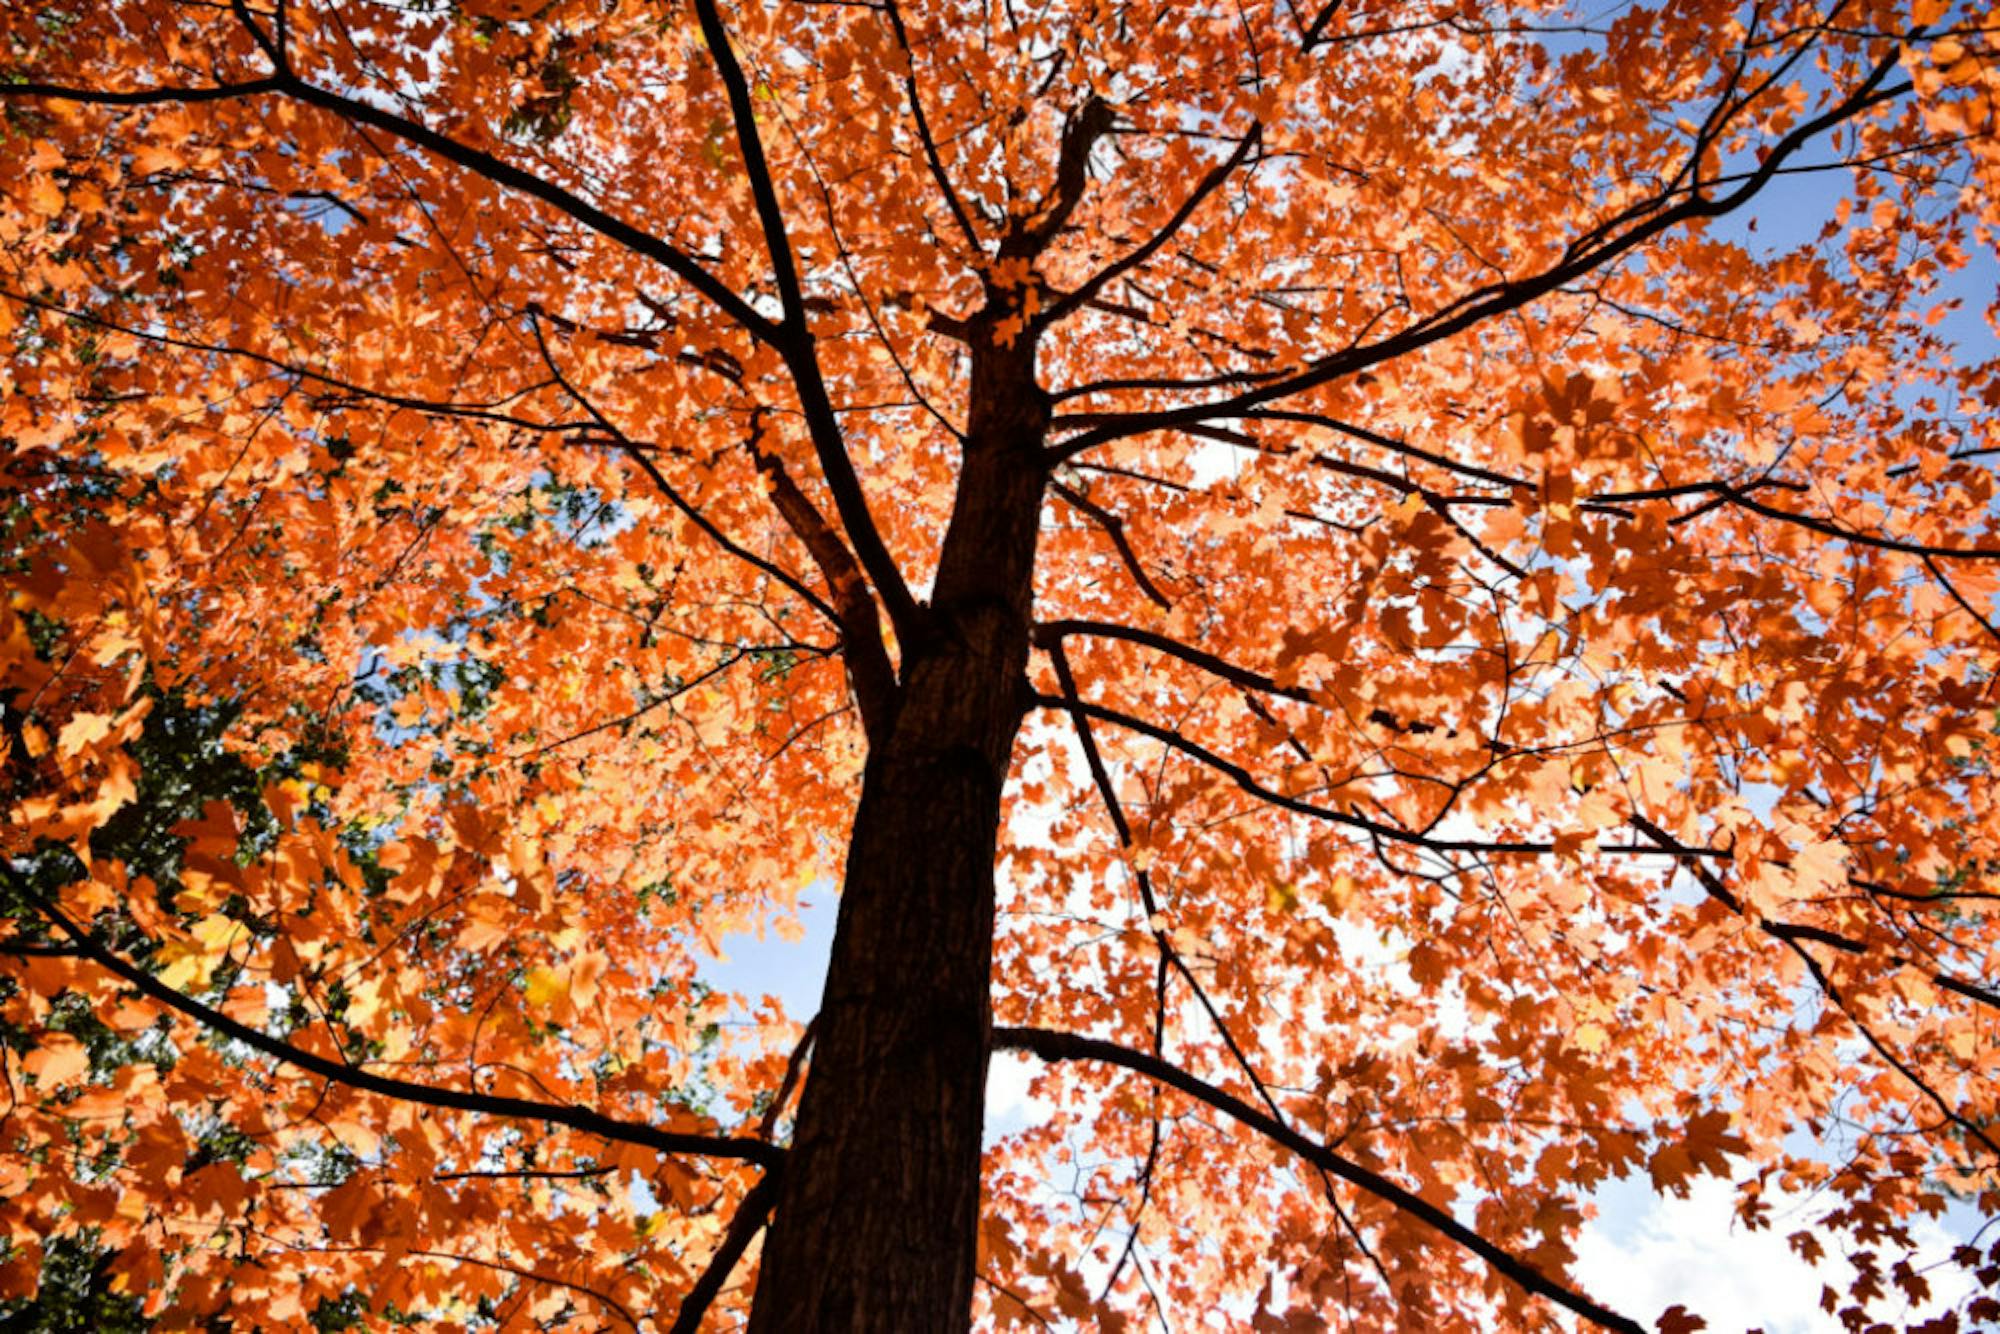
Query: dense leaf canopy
[[1511, 696]]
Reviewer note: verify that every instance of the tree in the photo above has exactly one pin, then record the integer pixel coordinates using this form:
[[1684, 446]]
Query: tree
[[1302, 566]]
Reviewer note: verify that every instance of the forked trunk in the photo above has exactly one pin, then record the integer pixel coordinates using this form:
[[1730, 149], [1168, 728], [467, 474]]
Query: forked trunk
[[877, 1219]]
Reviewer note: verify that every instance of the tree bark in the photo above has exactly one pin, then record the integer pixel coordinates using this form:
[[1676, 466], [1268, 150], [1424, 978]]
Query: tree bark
[[876, 1226]]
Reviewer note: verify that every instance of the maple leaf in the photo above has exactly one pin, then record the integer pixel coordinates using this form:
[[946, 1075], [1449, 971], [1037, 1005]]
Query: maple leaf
[[1677, 1319], [547, 988], [57, 1059], [80, 731]]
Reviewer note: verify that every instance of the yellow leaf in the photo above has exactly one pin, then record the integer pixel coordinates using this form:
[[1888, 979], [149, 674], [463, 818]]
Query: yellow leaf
[[546, 987], [185, 967], [216, 931], [190, 963]]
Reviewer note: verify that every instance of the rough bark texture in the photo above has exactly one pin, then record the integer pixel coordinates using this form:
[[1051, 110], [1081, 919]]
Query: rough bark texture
[[877, 1218]]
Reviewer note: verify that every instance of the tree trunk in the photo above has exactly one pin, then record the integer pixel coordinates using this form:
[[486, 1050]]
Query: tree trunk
[[876, 1226]]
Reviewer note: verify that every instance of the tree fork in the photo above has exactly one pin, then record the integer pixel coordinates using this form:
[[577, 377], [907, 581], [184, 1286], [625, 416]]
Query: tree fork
[[877, 1221]]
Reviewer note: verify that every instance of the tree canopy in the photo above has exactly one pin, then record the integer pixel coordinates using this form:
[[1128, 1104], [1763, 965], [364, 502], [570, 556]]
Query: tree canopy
[[1309, 567]]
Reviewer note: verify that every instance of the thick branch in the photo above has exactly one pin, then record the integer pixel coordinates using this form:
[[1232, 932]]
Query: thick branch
[[140, 97], [794, 340], [1375, 828], [1053, 1046], [1500, 298], [1740, 497], [1992, 631], [1207, 186], [721, 539], [860, 628], [751, 1214], [634, 451], [1114, 528], [770, 215], [518, 1109], [1719, 492], [1052, 632], [1092, 122], [669, 256], [286, 83], [924, 135], [1889, 1058], [1171, 958], [498, 1266], [795, 1066], [1791, 933], [1390, 443]]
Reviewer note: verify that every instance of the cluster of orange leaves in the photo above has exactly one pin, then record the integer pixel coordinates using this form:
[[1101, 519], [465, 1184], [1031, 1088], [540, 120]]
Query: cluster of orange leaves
[[439, 499]]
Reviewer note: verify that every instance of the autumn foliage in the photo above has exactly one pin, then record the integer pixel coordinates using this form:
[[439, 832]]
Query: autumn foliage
[[1305, 568]]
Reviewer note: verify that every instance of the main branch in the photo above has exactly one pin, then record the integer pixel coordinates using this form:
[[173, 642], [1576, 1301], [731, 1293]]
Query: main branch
[[1054, 1046], [487, 1104], [1500, 298]]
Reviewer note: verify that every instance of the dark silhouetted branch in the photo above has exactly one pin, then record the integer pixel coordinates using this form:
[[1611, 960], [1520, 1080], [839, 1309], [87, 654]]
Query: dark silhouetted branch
[[751, 1215], [1054, 1046], [518, 1109]]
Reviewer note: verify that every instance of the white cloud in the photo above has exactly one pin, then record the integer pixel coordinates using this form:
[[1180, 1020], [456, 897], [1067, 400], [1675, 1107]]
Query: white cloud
[[1009, 1105], [1645, 1253]]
